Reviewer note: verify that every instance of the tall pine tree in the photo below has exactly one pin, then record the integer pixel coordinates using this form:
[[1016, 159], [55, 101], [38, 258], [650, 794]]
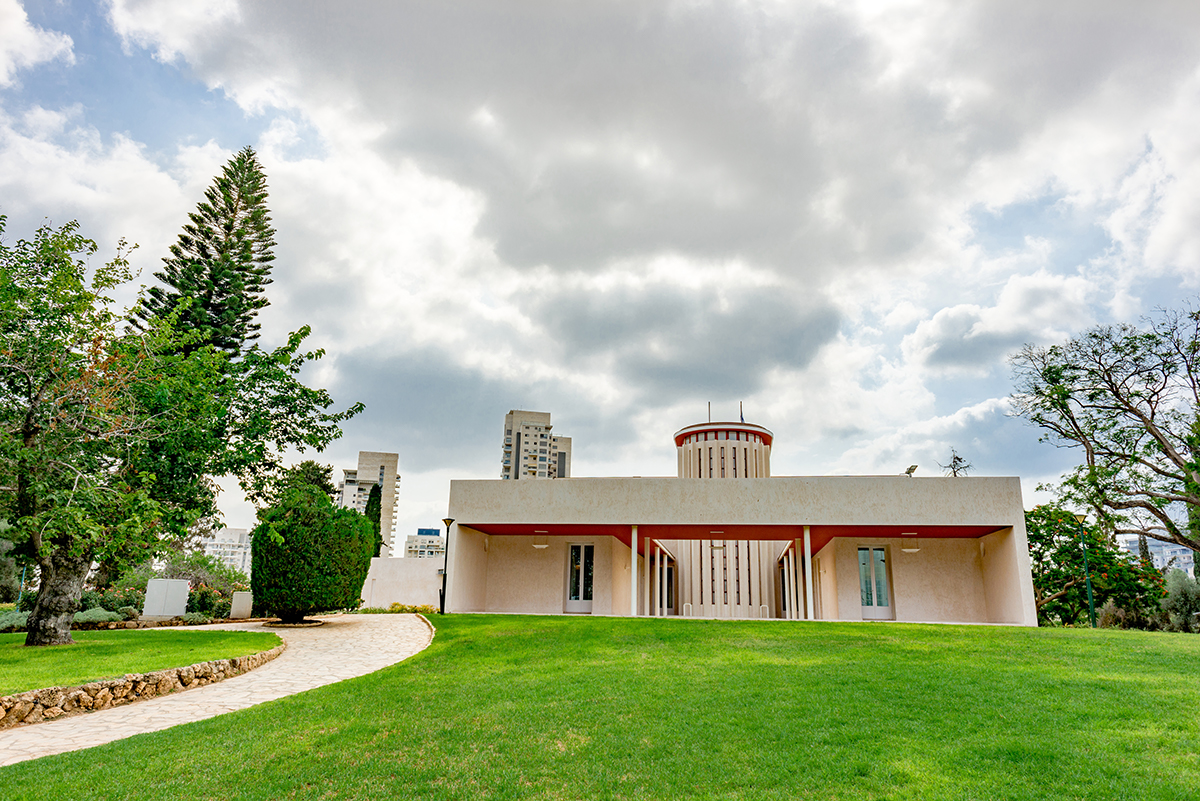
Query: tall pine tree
[[222, 260]]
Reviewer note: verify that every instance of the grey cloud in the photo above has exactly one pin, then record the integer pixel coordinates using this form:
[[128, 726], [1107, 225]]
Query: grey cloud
[[754, 117], [748, 114], [437, 414], [671, 343]]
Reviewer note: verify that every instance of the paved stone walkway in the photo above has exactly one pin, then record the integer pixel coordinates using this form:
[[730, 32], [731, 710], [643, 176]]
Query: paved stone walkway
[[345, 647]]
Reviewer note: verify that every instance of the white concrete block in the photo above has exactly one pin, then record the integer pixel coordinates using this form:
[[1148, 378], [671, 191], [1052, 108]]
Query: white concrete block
[[166, 597], [243, 603]]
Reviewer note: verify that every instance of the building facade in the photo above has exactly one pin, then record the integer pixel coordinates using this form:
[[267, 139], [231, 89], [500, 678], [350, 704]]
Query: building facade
[[426, 543], [1164, 555], [531, 450], [230, 546], [796, 547], [354, 489]]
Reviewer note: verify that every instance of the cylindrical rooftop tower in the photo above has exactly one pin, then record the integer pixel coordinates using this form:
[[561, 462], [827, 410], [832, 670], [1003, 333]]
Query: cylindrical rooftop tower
[[724, 450]]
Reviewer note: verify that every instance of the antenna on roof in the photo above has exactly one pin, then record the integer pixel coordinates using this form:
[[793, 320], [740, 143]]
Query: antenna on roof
[[709, 413], [740, 414]]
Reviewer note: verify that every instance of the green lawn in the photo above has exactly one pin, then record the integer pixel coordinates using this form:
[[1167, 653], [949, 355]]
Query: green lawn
[[579, 708], [106, 654]]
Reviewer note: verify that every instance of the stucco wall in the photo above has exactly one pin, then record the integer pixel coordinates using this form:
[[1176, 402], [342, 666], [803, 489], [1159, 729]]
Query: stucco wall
[[522, 578], [467, 579], [1007, 581], [531, 580], [406, 581], [619, 559], [790, 500], [941, 583], [825, 567]]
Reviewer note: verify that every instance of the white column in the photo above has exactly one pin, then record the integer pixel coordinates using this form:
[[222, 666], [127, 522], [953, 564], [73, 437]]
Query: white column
[[790, 581], [633, 582], [808, 576], [646, 589], [660, 608], [693, 569], [747, 597]]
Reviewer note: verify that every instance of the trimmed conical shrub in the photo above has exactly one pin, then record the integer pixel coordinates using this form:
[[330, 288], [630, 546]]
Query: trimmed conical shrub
[[308, 555]]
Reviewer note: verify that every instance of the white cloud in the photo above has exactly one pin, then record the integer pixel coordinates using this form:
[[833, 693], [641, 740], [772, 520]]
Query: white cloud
[[23, 45], [970, 338]]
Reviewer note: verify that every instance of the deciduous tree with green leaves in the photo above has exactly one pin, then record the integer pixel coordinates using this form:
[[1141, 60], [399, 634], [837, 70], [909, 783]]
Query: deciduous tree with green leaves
[[110, 437], [1128, 398], [73, 412], [1056, 542]]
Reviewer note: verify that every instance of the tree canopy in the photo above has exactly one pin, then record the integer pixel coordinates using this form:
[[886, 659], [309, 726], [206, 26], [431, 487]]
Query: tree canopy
[[1128, 398], [110, 437], [309, 473], [79, 401], [1056, 544]]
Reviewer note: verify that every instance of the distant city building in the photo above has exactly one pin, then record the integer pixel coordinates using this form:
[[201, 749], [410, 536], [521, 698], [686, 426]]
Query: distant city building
[[231, 546], [425, 543], [1162, 554], [531, 450], [355, 488]]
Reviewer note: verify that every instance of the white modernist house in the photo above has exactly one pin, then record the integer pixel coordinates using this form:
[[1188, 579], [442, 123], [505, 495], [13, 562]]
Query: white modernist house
[[749, 546]]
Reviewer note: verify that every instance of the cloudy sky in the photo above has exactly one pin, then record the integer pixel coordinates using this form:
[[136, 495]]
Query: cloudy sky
[[844, 215]]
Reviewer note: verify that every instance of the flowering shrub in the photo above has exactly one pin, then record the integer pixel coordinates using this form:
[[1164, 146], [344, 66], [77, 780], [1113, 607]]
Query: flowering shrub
[[209, 601], [114, 599]]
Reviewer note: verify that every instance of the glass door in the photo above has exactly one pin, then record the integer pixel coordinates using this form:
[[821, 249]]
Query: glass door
[[579, 578], [873, 584]]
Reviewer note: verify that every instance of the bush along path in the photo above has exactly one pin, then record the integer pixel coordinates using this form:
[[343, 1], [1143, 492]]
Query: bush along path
[[35, 706], [345, 647]]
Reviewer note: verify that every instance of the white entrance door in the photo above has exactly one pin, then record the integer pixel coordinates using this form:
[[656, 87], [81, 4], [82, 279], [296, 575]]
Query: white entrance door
[[579, 578], [873, 584]]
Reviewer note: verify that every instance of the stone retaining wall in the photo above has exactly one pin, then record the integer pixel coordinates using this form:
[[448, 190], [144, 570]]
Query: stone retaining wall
[[34, 706]]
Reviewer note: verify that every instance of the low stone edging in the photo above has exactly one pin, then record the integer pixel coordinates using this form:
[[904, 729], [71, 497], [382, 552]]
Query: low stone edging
[[35, 706]]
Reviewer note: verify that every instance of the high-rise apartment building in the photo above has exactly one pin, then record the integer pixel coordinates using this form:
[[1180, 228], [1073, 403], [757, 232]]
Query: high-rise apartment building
[[1164, 555], [531, 450], [230, 546], [426, 543], [355, 488]]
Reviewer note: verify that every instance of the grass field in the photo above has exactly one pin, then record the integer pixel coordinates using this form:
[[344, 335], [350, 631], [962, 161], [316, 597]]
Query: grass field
[[106, 654], [505, 707]]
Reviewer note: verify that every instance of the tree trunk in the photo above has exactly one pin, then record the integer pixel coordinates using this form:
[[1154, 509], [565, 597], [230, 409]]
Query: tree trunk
[[57, 600]]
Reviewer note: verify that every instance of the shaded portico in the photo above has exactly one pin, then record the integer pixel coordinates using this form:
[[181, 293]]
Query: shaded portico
[[937, 549]]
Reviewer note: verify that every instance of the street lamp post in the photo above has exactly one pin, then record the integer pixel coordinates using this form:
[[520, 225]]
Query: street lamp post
[[445, 564], [1087, 574]]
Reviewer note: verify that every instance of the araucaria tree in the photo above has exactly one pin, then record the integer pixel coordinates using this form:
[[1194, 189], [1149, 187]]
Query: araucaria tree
[[221, 262], [1129, 399]]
